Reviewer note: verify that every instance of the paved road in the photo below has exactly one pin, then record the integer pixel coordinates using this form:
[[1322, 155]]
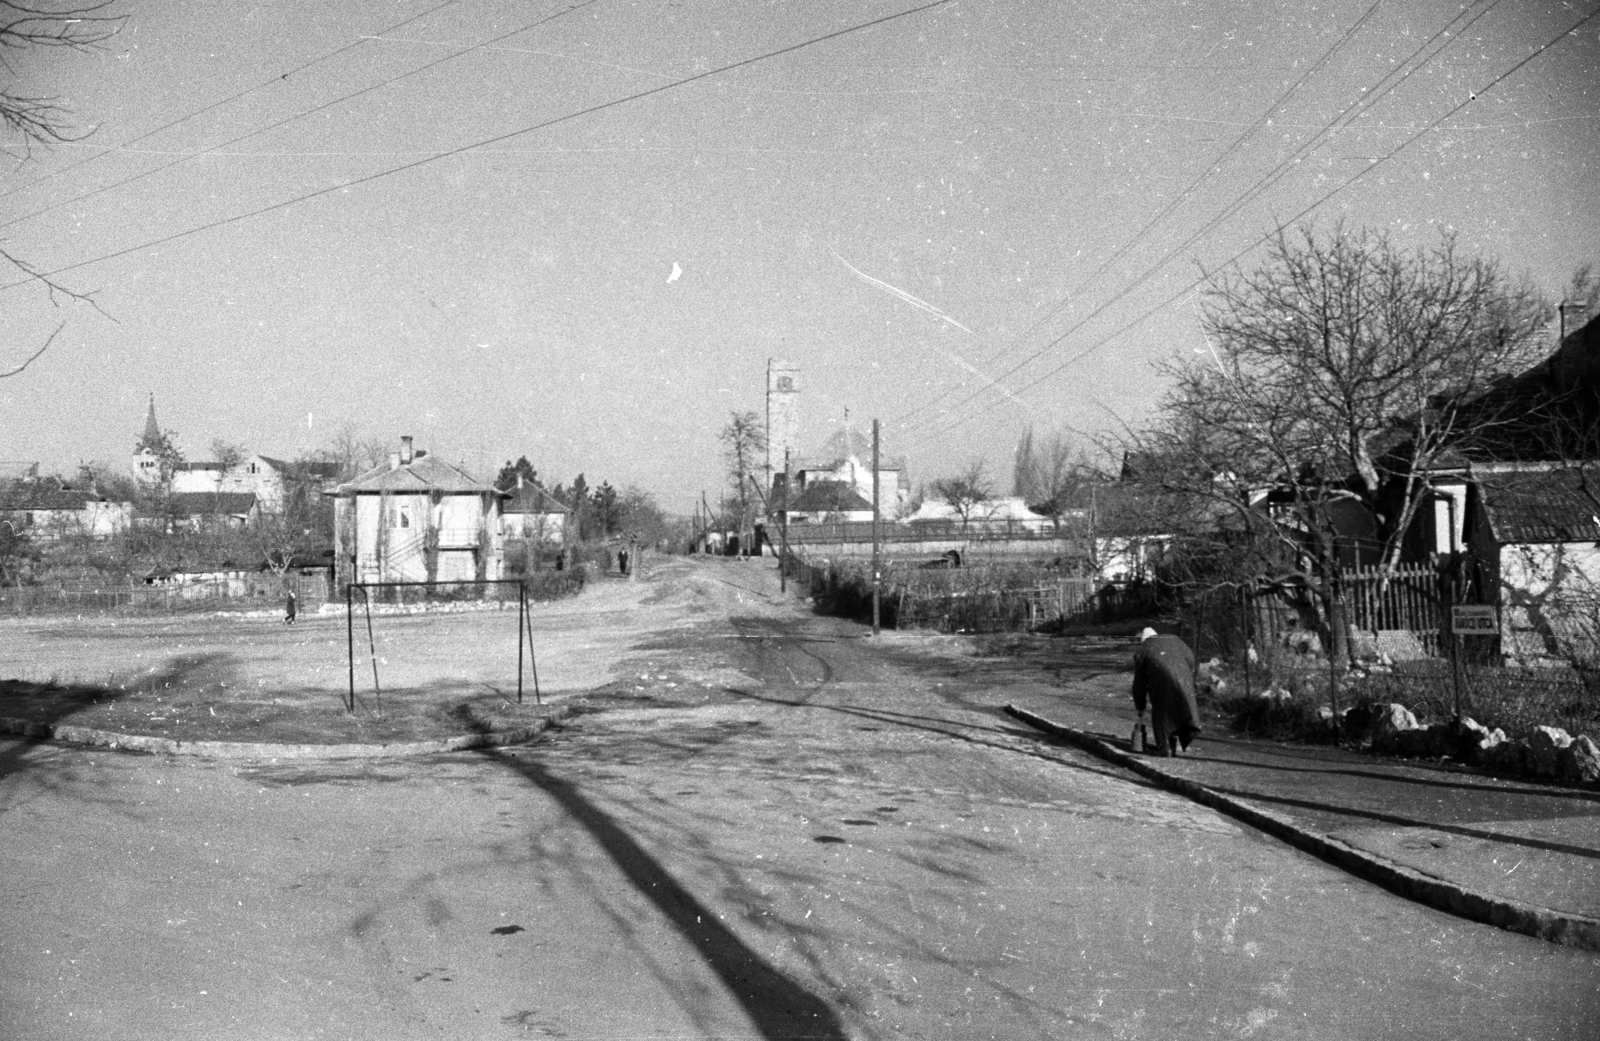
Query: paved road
[[767, 827]]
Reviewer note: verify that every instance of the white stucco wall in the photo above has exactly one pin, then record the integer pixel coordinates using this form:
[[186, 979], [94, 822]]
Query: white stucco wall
[[1549, 601]]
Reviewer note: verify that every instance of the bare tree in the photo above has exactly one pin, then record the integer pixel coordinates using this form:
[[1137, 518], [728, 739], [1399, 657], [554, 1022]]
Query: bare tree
[[228, 454], [37, 119], [353, 451], [744, 450], [1337, 377], [1052, 476], [967, 493], [33, 119]]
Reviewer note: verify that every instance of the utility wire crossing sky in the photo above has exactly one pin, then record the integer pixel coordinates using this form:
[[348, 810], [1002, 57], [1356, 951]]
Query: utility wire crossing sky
[[577, 231]]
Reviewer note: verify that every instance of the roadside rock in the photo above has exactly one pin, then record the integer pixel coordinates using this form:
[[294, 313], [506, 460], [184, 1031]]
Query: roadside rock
[[1486, 748], [1580, 761], [1210, 676], [1388, 723], [1545, 744]]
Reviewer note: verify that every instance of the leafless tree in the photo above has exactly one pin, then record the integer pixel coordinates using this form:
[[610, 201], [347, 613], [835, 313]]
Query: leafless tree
[[353, 452], [967, 493], [1051, 476], [32, 119], [1341, 371], [228, 454], [37, 119], [744, 450]]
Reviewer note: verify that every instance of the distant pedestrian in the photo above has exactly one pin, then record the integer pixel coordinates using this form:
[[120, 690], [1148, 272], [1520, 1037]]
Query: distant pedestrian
[[289, 611], [1163, 681]]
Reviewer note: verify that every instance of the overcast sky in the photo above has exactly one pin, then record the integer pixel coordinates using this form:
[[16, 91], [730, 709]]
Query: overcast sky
[[461, 221]]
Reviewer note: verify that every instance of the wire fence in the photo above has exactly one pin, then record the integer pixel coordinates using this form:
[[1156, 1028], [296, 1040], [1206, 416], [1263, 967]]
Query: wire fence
[[1269, 647], [246, 591], [241, 591], [980, 598]]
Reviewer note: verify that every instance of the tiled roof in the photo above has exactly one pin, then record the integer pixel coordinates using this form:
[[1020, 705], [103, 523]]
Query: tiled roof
[[1550, 411], [532, 499], [1558, 504], [190, 504], [38, 499], [825, 497], [318, 468], [424, 474]]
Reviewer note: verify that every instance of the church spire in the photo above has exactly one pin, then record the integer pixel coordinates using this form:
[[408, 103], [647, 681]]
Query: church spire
[[152, 430]]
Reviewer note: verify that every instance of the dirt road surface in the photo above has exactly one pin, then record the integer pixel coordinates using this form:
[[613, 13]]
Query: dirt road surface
[[764, 825]]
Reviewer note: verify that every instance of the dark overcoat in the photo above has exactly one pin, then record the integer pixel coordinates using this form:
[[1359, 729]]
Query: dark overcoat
[[1163, 678]]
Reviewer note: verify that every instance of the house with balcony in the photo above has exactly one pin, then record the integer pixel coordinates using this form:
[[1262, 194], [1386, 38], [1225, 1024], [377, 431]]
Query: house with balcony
[[417, 519]]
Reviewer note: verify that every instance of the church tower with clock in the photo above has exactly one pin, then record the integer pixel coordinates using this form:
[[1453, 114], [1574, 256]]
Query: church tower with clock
[[783, 416]]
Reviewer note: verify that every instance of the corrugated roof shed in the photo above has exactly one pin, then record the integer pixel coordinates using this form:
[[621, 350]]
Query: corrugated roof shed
[[1558, 504]]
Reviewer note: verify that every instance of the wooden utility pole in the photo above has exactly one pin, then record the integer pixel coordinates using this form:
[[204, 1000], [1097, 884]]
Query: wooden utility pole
[[783, 530], [877, 566]]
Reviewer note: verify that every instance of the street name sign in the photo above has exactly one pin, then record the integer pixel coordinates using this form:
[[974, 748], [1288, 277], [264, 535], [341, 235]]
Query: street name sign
[[1474, 620]]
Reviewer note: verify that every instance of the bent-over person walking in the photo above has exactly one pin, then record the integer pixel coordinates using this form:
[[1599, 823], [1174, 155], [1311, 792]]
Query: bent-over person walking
[[1163, 682]]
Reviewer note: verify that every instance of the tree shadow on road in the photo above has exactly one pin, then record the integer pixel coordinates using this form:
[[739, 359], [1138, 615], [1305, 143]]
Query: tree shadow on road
[[42, 706], [777, 1005], [913, 721]]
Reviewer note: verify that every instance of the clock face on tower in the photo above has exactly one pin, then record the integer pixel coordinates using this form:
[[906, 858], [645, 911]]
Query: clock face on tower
[[785, 383]]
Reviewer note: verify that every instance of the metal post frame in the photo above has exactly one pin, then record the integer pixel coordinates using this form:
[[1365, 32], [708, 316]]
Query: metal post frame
[[877, 560], [350, 643], [533, 659], [524, 631]]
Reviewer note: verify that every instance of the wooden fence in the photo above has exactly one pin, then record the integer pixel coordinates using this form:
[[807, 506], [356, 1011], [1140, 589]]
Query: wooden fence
[[1405, 615]]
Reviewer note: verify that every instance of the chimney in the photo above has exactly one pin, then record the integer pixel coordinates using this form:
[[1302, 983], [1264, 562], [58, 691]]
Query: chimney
[[405, 450], [394, 460], [519, 480]]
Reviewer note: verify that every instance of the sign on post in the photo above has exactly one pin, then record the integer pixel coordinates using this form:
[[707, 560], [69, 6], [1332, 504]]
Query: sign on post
[[1474, 620]]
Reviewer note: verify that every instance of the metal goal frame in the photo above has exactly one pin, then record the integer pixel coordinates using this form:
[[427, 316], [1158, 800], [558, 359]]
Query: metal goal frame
[[524, 632]]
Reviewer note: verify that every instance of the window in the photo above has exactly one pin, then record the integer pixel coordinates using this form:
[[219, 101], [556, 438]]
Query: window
[[399, 516]]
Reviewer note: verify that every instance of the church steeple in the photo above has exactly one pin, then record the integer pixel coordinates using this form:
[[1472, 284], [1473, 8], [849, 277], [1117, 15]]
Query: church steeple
[[152, 429]]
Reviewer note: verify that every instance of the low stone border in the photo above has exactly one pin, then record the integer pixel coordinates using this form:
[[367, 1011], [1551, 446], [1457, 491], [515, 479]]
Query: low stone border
[[1573, 930], [76, 735]]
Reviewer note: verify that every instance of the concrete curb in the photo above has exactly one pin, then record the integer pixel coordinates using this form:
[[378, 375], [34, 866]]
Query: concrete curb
[[1572, 930], [110, 739]]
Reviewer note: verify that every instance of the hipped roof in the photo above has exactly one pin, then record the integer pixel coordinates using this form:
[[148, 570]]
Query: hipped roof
[[533, 499], [424, 474]]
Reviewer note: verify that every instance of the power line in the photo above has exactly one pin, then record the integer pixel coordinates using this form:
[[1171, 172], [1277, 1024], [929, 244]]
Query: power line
[[273, 81], [496, 139], [1367, 99], [1183, 196], [1472, 97], [297, 116]]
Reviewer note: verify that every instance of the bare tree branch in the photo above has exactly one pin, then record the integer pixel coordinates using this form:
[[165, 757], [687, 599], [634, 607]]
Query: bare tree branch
[[29, 360]]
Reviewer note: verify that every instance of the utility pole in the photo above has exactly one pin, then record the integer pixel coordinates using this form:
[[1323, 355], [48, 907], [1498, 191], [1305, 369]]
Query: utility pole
[[783, 530], [877, 568]]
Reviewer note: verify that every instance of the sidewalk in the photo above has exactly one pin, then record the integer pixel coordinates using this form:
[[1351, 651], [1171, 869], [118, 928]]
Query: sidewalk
[[1524, 856]]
